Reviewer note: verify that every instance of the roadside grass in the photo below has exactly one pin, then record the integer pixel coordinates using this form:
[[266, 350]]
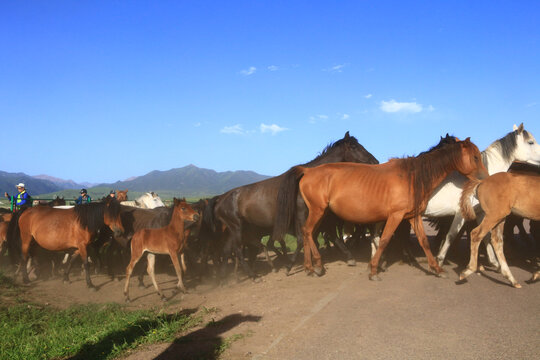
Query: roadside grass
[[94, 331]]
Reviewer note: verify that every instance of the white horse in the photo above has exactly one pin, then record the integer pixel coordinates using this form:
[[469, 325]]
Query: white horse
[[150, 200], [518, 145]]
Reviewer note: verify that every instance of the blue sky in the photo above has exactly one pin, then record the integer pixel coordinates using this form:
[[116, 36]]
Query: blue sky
[[101, 91]]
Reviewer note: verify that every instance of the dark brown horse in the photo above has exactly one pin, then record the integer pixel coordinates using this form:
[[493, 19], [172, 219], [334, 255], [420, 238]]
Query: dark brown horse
[[63, 229], [170, 240], [396, 190], [248, 212]]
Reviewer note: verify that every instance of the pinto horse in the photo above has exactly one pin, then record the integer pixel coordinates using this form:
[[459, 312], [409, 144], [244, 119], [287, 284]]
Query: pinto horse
[[499, 195], [396, 190], [63, 229], [248, 212], [167, 240]]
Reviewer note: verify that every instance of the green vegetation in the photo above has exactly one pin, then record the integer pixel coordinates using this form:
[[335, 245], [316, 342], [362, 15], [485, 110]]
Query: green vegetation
[[94, 331]]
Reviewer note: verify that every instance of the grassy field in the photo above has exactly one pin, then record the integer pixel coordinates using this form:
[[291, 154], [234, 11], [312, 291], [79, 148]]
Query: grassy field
[[96, 331]]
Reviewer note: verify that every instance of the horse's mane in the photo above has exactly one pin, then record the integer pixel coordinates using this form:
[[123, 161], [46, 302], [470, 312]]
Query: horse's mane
[[507, 145], [347, 141], [90, 216], [425, 168]]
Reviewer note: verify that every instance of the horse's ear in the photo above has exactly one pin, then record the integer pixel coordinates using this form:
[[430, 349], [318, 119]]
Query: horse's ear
[[468, 140], [346, 135], [514, 128], [520, 128], [447, 136]]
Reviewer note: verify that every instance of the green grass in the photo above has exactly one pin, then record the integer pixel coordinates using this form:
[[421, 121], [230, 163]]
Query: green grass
[[94, 331]]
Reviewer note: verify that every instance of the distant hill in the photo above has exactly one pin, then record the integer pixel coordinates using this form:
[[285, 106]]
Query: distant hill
[[64, 184], [189, 181], [34, 186]]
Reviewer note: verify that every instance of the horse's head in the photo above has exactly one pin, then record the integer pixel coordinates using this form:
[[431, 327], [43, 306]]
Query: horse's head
[[470, 162], [121, 195], [527, 149], [111, 216], [151, 200], [185, 212], [348, 149]]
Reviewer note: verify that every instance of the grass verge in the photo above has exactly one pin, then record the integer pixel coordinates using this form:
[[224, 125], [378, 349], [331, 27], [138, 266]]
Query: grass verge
[[94, 331]]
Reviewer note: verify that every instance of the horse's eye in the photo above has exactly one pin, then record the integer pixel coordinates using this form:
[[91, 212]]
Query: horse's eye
[[531, 142]]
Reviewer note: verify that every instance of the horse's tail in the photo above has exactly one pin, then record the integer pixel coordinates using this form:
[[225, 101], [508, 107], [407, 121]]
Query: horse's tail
[[467, 209], [209, 221], [13, 238], [286, 202]]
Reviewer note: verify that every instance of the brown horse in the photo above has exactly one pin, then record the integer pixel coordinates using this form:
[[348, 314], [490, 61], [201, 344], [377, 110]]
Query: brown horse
[[396, 190], [499, 195], [121, 195], [167, 240], [64, 229]]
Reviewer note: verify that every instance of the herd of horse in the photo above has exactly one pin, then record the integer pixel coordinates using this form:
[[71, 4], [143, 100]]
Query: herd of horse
[[344, 187]]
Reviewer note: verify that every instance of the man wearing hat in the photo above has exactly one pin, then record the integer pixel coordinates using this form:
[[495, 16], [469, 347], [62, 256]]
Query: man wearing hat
[[22, 200], [84, 198]]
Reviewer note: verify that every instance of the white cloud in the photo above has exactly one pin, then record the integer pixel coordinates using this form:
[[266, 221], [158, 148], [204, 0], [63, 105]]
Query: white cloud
[[368, 96], [249, 71], [337, 68], [531, 104], [235, 129], [393, 106], [345, 116], [197, 124], [273, 68], [274, 129]]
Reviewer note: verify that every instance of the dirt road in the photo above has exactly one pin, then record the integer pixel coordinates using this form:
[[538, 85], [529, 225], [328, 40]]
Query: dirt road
[[342, 315]]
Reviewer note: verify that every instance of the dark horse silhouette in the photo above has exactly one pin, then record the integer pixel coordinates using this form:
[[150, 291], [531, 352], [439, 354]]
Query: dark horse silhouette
[[248, 212]]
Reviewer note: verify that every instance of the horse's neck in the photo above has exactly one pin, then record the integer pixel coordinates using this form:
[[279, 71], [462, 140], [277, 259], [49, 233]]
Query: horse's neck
[[328, 158], [495, 161], [177, 224]]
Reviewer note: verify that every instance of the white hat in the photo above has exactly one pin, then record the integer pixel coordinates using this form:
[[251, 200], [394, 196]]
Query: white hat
[[19, 185]]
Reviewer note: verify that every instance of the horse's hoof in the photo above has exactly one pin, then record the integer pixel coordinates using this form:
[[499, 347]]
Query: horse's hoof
[[442, 275], [163, 298], [256, 280], [92, 288], [517, 286], [481, 268], [318, 271], [127, 300], [351, 262], [141, 286], [374, 277]]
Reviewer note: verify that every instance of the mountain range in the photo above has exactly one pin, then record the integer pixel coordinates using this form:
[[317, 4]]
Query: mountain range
[[189, 181]]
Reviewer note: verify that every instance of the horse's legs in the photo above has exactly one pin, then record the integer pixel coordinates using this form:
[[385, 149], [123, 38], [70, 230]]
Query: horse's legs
[[69, 265], [315, 215], [136, 254], [418, 227], [477, 235], [497, 241], [151, 259], [84, 257], [25, 247], [345, 250], [457, 224], [178, 269], [391, 224]]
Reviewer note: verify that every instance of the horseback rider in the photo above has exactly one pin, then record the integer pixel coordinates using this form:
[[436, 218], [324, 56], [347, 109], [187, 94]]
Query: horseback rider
[[22, 200], [84, 198]]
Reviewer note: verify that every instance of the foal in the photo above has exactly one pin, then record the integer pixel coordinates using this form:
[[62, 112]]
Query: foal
[[499, 195], [167, 240]]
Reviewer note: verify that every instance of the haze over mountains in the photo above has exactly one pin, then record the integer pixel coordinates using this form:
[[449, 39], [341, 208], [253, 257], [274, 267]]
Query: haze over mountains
[[188, 181]]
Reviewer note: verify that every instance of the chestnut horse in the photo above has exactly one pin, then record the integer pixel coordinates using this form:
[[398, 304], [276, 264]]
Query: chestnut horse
[[63, 229], [499, 195], [398, 189], [167, 240]]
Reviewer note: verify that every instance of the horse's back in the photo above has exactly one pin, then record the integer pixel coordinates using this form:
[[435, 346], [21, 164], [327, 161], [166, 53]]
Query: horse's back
[[361, 193]]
